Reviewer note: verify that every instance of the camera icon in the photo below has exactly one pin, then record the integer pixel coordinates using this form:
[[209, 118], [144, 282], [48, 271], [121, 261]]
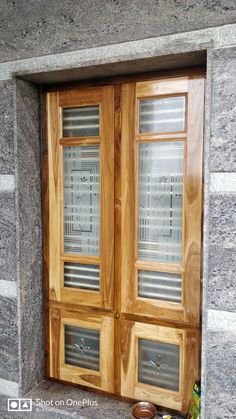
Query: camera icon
[[19, 405]]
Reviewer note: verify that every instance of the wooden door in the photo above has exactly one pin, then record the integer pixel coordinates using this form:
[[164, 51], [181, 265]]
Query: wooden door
[[162, 198], [123, 195], [81, 224]]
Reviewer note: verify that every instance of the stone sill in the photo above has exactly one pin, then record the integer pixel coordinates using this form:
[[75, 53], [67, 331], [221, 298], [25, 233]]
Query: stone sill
[[105, 408]]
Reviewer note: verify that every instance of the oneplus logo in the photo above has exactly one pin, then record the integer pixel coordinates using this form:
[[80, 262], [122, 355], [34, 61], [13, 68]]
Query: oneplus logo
[[19, 405]]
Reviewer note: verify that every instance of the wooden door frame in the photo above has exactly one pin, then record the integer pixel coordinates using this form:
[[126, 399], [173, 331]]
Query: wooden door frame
[[117, 82]]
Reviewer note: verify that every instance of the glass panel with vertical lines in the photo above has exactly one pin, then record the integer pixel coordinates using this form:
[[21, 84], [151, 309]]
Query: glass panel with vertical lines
[[81, 199], [82, 347], [162, 115], [81, 122], [161, 167], [158, 364], [78, 275], [160, 286]]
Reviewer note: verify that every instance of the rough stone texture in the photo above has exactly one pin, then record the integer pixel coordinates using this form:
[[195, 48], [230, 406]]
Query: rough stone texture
[[6, 128], [48, 26], [8, 339], [7, 237], [221, 280], [30, 235], [223, 132], [222, 222], [221, 376]]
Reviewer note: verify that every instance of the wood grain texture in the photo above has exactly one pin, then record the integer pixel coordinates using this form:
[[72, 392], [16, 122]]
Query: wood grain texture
[[55, 346], [107, 197], [117, 235], [82, 97], [129, 372], [193, 199], [162, 87], [127, 195], [104, 378], [54, 191]]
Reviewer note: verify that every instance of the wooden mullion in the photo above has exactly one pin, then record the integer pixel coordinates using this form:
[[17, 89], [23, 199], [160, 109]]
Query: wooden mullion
[[128, 195], [107, 197], [117, 249]]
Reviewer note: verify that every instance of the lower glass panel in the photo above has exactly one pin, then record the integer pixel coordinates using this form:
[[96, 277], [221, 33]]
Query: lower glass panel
[[77, 275], [158, 364], [160, 286], [82, 347]]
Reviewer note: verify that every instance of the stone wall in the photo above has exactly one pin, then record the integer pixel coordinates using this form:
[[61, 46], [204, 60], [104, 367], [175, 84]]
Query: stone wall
[[33, 28], [50, 28]]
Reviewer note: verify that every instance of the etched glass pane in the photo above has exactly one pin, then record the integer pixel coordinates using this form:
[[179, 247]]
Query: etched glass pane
[[161, 168], [162, 115], [77, 275], [158, 364], [81, 199], [81, 122], [82, 347], [160, 286]]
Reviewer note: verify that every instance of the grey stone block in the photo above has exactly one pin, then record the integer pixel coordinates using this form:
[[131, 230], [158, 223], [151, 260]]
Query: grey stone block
[[222, 221], [221, 376], [7, 237], [223, 127], [8, 339], [6, 128], [30, 235], [221, 280], [54, 27]]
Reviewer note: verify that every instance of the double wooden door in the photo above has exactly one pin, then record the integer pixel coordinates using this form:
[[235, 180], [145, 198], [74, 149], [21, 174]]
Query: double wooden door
[[123, 198]]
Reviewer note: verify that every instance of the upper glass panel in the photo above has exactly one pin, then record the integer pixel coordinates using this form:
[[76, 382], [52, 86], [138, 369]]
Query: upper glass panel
[[82, 347], [158, 364], [81, 199], [161, 168], [81, 122], [162, 115]]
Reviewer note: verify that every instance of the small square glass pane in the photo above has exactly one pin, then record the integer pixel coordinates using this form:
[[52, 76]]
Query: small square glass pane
[[162, 115], [82, 347], [158, 364], [165, 286], [81, 122], [78, 275], [82, 199]]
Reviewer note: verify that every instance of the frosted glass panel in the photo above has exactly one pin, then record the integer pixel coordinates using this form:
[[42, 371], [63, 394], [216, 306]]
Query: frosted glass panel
[[81, 199], [82, 347], [81, 122], [77, 275], [160, 286], [158, 364], [162, 115], [160, 201]]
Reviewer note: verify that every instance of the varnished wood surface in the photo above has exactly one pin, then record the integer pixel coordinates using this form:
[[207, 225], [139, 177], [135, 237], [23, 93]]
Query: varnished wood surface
[[117, 311]]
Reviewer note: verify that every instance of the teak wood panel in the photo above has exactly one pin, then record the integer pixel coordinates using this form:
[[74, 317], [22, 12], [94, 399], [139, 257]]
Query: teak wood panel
[[102, 379], [104, 97], [189, 309], [119, 140], [188, 361]]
